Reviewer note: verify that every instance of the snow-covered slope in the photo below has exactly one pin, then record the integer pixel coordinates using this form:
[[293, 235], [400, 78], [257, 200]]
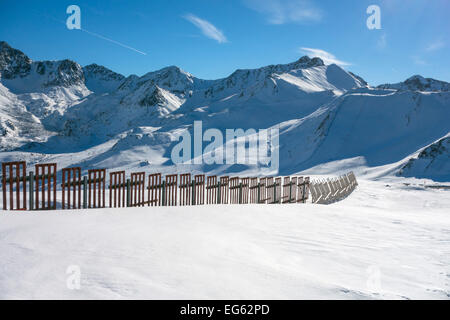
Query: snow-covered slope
[[431, 162], [383, 126], [17, 125]]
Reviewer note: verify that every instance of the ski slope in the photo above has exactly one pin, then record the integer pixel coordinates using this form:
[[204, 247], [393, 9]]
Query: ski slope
[[389, 240]]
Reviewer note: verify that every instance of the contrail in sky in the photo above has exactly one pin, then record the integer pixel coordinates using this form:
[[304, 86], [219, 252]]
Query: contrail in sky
[[113, 41], [102, 37]]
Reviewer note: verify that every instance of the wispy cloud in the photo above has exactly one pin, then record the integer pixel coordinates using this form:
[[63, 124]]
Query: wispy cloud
[[419, 61], [435, 45], [207, 28], [286, 11], [328, 58]]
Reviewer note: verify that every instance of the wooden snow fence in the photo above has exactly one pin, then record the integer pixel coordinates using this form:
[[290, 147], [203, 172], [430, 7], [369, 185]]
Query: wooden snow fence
[[38, 190], [326, 191]]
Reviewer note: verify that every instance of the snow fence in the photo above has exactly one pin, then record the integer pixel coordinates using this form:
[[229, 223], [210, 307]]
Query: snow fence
[[334, 189]]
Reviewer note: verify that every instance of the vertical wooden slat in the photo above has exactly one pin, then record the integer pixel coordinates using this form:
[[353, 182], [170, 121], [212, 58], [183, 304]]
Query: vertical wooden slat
[[36, 177], [79, 188], [123, 190], [4, 185], [63, 188], [111, 184], [18, 185], [117, 193], [103, 187], [72, 181], [24, 177], [115, 190], [278, 190], [49, 189], [11, 175], [89, 193], [299, 189], [94, 192]]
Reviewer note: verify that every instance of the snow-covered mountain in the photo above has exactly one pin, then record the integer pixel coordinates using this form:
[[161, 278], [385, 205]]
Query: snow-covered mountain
[[95, 117], [418, 83], [99, 79]]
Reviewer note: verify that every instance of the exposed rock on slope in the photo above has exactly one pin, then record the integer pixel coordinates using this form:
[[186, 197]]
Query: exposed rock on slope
[[432, 162]]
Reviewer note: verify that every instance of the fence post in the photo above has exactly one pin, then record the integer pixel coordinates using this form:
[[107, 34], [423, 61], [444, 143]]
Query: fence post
[[164, 193], [240, 193], [290, 192], [218, 192], [259, 193], [303, 193], [274, 191], [193, 192], [30, 190], [84, 192], [128, 192]]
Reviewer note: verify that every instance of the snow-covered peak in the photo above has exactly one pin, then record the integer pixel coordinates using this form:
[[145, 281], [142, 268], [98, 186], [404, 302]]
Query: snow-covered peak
[[418, 83], [60, 73], [170, 78], [101, 72], [100, 79], [44, 75], [302, 63], [20, 74]]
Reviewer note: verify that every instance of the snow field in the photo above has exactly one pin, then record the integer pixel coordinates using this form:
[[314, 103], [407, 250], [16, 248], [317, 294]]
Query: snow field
[[387, 240]]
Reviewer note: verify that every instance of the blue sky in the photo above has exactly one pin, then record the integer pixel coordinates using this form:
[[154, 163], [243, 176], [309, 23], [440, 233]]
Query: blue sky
[[212, 38]]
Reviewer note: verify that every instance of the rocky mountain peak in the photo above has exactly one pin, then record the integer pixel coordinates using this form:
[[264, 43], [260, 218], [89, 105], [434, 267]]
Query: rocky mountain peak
[[101, 72], [307, 62], [13, 62], [64, 73], [418, 83]]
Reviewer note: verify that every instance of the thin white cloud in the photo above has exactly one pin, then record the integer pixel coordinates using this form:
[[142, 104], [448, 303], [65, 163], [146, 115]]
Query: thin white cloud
[[419, 61], [436, 45], [286, 11], [207, 28], [382, 42], [327, 57]]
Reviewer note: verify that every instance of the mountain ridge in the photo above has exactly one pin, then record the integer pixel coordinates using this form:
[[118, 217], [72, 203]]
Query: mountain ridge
[[61, 110]]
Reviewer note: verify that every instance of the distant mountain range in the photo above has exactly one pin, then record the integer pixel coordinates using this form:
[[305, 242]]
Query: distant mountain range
[[92, 116]]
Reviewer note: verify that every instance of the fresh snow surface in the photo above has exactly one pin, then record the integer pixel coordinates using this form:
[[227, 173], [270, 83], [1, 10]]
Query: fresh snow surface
[[390, 239]]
